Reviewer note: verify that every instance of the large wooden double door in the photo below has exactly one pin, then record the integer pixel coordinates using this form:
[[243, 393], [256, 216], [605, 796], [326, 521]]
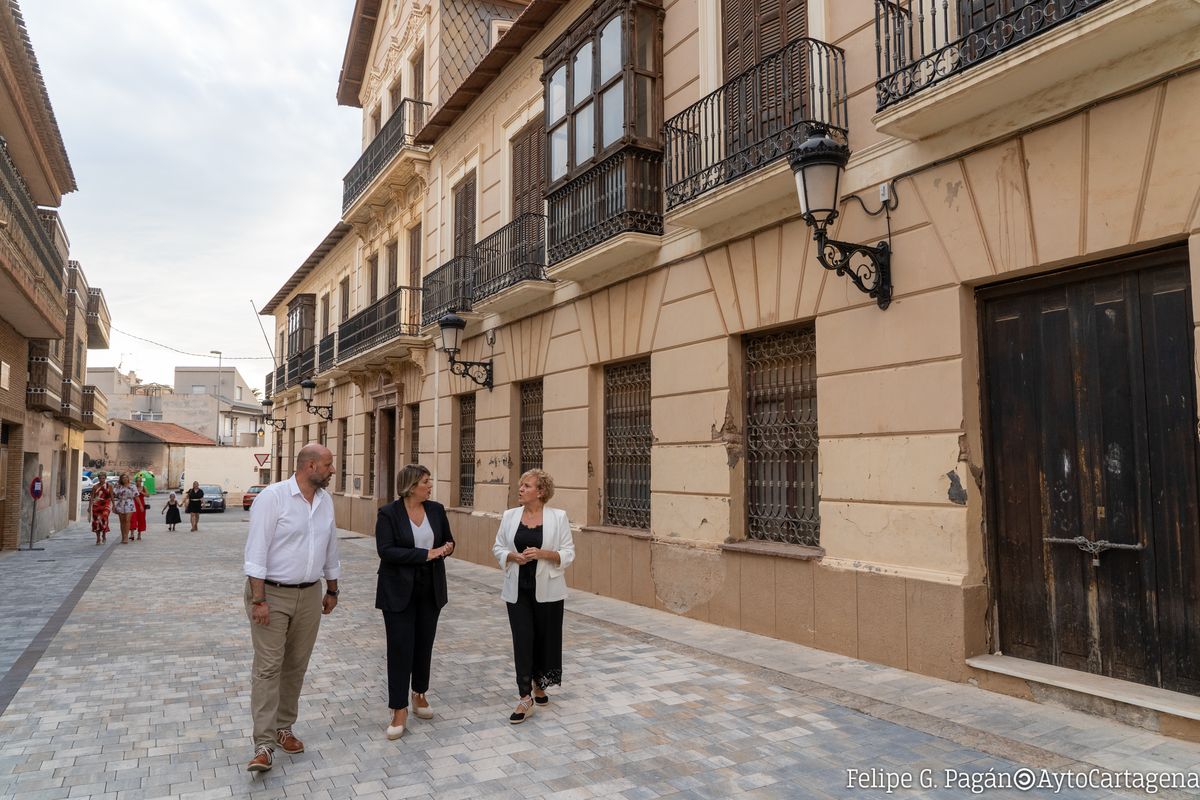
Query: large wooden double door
[[1091, 423]]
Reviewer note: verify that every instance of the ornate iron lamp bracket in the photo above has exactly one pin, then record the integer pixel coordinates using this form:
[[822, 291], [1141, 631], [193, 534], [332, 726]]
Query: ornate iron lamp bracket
[[479, 372], [869, 268], [324, 412], [277, 424]]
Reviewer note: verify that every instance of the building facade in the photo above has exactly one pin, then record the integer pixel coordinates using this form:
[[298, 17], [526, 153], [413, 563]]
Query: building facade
[[49, 316], [984, 469]]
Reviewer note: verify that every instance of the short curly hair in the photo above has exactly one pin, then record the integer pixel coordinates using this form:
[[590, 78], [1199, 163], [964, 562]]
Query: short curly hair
[[541, 480]]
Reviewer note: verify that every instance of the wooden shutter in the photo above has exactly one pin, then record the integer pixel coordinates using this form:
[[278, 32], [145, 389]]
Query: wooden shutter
[[754, 29], [414, 255], [414, 274], [464, 216], [393, 266], [527, 178]]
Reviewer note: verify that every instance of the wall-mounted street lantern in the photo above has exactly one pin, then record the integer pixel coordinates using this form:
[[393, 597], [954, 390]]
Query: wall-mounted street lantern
[[480, 372], [818, 163], [277, 424], [307, 386]]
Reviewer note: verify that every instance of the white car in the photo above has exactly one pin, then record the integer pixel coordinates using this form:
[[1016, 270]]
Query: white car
[[86, 482]]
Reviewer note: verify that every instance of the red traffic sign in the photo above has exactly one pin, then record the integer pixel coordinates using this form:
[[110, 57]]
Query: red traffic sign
[[262, 458], [35, 488]]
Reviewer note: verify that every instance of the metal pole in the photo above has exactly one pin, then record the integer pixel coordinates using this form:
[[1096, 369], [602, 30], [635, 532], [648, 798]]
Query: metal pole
[[33, 525], [219, 356]]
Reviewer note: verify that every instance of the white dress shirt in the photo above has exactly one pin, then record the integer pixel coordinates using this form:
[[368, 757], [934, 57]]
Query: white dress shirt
[[292, 540]]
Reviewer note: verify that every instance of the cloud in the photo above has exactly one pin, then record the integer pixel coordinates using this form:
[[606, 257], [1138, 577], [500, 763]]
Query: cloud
[[209, 151]]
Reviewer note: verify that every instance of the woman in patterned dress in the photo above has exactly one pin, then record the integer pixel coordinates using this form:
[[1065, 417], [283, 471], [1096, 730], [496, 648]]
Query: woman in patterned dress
[[100, 506], [123, 503]]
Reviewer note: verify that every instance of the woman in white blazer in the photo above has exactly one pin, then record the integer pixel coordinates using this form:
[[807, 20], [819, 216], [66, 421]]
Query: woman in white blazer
[[534, 548]]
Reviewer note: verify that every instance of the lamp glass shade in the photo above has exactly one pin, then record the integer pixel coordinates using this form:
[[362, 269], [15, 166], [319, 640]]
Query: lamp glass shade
[[306, 389], [267, 406], [452, 326], [817, 187], [818, 164]]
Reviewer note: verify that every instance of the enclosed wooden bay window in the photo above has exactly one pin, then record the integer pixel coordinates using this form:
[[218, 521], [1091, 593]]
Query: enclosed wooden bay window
[[603, 101]]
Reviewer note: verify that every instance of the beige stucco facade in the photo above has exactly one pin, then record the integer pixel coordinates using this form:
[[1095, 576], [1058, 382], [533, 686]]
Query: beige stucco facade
[[1054, 175]]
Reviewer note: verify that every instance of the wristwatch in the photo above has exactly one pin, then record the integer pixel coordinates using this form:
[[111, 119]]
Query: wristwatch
[[258, 601], [331, 592]]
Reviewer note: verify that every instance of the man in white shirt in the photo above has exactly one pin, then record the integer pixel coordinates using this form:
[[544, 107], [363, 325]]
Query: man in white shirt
[[292, 544]]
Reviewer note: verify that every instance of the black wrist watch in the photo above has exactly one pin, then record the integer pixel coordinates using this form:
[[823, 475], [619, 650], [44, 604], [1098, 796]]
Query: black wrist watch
[[331, 592]]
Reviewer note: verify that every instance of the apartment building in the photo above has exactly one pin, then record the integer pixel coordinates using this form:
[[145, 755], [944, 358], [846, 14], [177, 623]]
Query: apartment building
[[49, 316], [864, 325]]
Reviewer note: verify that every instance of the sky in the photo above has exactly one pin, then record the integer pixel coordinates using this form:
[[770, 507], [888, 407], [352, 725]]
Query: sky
[[209, 151]]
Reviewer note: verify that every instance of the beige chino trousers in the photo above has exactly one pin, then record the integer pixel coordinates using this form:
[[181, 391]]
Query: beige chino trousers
[[282, 648]]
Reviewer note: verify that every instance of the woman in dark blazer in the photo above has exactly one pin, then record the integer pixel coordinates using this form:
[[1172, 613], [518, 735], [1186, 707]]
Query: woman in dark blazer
[[412, 536]]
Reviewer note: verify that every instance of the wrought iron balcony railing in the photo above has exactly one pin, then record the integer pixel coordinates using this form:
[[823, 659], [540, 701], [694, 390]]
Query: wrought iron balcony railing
[[755, 118], [281, 373], [395, 315], [327, 352], [269, 385], [396, 133], [623, 193], [300, 366], [448, 288], [920, 43], [515, 253]]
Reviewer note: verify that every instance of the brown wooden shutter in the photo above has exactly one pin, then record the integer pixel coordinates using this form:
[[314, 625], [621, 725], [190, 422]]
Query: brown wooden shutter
[[527, 170], [414, 274], [754, 29], [393, 266], [414, 255], [464, 216]]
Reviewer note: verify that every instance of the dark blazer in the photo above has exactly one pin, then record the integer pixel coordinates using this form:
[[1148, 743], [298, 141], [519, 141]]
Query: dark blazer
[[399, 557]]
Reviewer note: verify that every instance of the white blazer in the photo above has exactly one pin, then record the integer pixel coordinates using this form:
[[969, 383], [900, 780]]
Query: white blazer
[[556, 535]]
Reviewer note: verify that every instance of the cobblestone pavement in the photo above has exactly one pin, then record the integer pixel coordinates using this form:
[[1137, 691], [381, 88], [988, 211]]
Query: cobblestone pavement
[[143, 692]]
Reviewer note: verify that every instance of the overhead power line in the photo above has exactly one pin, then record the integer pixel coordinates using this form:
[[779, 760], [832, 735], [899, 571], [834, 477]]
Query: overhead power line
[[185, 352]]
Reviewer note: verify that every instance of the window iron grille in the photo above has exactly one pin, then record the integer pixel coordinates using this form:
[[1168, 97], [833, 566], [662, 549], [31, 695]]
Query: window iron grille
[[369, 433], [782, 498], [531, 425], [627, 440], [466, 450], [414, 433], [343, 454]]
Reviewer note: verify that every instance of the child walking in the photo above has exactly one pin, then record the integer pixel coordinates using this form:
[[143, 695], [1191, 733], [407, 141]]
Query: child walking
[[171, 509]]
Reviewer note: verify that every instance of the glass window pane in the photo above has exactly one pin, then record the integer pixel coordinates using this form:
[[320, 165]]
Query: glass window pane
[[582, 71], [643, 115], [558, 152], [612, 107], [556, 102], [647, 24], [610, 49], [585, 134]]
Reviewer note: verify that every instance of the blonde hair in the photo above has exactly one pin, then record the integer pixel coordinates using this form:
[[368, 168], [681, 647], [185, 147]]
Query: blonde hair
[[541, 481], [408, 478]]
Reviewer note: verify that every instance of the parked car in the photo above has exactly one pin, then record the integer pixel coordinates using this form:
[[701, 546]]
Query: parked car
[[214, 498], [86, 482], [248, 497]]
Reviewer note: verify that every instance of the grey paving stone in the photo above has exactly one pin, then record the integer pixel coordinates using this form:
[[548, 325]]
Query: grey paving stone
[[127, 704]]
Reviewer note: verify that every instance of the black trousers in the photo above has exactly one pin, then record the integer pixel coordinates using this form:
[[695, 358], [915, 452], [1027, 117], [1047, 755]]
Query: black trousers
[[537, 641], [410, 635]]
